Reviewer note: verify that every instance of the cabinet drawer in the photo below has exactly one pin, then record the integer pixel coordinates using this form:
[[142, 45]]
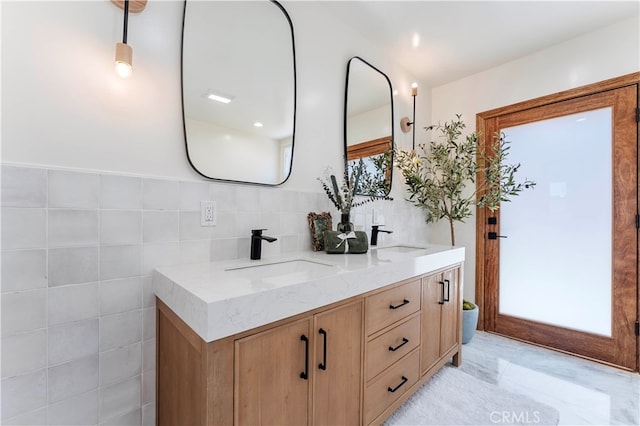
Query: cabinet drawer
[[389, 347], [385, 308], [390, 385]]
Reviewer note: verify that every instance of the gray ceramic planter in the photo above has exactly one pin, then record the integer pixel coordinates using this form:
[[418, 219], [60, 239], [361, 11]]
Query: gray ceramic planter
[[469, 324]]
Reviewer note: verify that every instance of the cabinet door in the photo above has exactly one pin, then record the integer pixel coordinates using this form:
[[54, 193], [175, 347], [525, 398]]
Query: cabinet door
[[449, 327], [337, 378], [269, 389], [431, 318]]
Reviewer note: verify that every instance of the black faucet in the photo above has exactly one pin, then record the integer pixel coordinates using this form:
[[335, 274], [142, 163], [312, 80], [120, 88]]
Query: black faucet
[[256, 242], [374, 234]]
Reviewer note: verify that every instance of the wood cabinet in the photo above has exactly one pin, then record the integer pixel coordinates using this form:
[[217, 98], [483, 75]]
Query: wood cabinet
[[441, 317], [351, 363], [392, 355], [277, 369]]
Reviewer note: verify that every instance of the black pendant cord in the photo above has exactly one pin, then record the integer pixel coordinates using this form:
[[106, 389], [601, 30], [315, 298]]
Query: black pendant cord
[[126, 22], [413, 123]]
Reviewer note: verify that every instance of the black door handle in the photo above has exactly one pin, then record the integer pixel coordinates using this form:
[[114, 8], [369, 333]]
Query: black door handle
[[305, 374], [448, 291], [323, 364], [404, 342], [495, 236], [442, 300], [404, 302], [404, 380]]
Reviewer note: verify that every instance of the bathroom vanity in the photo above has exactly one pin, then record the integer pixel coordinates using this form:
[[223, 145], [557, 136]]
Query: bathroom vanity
[[316, 339]]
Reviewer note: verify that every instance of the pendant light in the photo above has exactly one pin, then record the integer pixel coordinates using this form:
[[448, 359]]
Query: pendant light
[[124, 52]]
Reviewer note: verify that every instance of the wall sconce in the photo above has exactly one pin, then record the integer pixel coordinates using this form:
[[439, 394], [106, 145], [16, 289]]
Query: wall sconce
[[124, 53], [407, 125]]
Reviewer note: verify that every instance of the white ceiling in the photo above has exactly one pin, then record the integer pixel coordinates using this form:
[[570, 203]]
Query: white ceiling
[[460, 38]]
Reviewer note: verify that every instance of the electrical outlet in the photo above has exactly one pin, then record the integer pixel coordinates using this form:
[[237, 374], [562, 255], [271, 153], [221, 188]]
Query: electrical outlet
[[208, 213]]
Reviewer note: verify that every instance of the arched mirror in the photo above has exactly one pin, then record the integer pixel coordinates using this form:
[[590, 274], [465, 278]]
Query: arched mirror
[[368, 127], [239, 90]]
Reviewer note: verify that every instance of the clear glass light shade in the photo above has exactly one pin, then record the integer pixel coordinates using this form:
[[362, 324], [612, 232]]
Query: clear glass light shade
[[124, 55]]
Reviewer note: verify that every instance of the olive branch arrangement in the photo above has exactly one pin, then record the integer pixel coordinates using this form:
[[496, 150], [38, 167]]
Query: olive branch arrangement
[[343, 196]]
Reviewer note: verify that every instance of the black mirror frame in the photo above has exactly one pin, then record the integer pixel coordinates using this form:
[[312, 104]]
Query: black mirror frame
[[346, 99], [295, 99]]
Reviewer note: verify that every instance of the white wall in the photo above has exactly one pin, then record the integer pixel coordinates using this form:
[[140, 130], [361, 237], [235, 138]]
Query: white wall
[[63, 105], [609, 52]]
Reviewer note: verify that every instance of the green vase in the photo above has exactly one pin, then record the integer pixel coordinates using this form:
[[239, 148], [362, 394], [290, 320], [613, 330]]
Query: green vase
[[345, 225]]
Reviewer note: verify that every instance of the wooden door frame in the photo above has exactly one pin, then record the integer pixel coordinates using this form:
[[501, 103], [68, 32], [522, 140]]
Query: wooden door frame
[[482, 127]]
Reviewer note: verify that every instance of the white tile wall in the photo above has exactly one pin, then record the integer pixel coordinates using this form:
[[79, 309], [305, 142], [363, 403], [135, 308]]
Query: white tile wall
[[78, 250]]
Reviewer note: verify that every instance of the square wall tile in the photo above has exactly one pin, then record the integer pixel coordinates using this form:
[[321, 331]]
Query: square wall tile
[[120, 330], [23, 353], [78, 410], [73, 303], [36, 417], [73, 378], [149, 387], [73, 341], [195, 251], [119, 227], [120, 261], [191, 193], [226, 226], [149, 355], [120, 295], [224, 195], [148, 296], [24, 311], [23, 228], [21, 394], [226, 249], [73, 227], [159, 254], [23, 270], [247, 199], [190, 228], [119, 399], [74, 190], [159, 194], [120, 192], [73, 265], [149, 324], [23, 187], [128, 419], [160, 226], [120, 364], [149, 415]]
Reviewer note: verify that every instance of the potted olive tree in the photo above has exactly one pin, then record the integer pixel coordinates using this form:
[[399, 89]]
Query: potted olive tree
[[437, 177]]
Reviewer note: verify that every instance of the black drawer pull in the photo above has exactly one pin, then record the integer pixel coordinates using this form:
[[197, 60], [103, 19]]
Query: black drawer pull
[[305, 374], [404, 302], [442, 299], [404, 380], [323, 364], [404, 342]]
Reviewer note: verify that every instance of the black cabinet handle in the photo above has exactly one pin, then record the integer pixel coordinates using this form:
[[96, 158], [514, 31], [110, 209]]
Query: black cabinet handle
[[441, 302], [404, 302], [323, 364], [404, 380], [448, 291], [404, 342], [305, 374]]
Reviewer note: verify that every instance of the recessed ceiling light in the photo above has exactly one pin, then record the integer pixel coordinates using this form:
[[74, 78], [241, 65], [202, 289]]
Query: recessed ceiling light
[[218, 96], [581, 119], [257, 124]]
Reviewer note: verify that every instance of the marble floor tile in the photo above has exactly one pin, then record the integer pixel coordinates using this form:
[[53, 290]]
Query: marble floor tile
[[584, 392]]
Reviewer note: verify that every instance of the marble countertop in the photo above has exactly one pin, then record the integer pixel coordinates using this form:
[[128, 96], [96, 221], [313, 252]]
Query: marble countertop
[[220, 299]]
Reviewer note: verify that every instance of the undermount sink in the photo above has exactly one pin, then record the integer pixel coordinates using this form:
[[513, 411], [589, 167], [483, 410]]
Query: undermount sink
[[400, 249], [284, 272]]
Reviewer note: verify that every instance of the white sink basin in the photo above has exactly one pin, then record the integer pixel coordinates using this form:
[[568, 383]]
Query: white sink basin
[[400, 249], [286, 272]]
